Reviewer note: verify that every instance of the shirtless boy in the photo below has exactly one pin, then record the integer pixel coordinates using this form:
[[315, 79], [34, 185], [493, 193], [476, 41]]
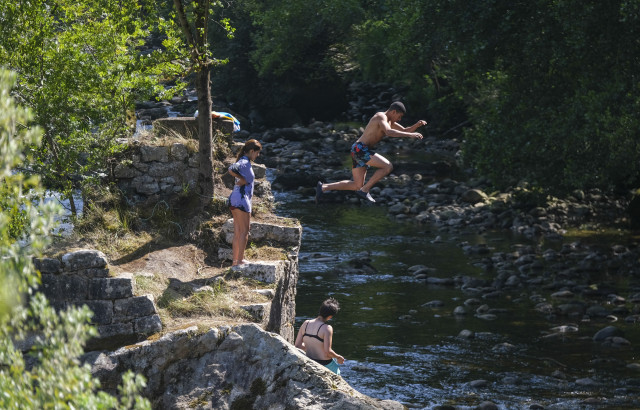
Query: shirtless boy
[[381, 124]]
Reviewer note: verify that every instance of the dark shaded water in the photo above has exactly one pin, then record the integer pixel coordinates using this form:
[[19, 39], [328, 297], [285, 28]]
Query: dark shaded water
[[398, 349]]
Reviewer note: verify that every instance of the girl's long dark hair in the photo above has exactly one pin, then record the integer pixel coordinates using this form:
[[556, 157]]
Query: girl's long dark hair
[[252, 144]]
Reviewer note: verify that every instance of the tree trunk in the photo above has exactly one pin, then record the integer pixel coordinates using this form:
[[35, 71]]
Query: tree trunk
[[205, 136], [72, 204]]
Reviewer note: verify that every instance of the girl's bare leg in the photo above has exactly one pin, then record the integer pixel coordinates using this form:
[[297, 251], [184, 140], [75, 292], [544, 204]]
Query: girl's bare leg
[[241, 223]]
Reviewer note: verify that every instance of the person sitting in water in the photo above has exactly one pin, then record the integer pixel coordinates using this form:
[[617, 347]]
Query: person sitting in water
[[316, 336]]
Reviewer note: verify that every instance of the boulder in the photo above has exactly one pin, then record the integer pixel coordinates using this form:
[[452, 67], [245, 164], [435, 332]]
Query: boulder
[[239, 367]]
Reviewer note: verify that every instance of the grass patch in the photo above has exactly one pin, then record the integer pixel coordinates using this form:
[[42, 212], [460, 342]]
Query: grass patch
[[264, 253], [153, 284], [205, 303], [107, 224]]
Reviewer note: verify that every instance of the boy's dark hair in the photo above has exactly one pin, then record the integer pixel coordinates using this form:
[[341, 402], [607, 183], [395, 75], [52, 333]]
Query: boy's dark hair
[[397, 106], [330, 307]]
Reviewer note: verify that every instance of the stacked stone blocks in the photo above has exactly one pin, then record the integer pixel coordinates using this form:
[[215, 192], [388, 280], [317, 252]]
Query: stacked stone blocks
[[157, 170], [82, 278]]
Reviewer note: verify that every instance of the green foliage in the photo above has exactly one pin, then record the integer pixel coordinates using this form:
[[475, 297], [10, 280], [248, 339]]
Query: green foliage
[[287, 54], [550, 91], [55, 379], [542, 91], [80, 71]]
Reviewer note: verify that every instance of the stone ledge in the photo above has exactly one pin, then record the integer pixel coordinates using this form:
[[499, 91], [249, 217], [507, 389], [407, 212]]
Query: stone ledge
[[267, 232], [259, 311], [263, 271]]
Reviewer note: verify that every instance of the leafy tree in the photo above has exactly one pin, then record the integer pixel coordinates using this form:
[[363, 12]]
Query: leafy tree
[[80, 69], [551, 90], [288, 55], [55, 378], [192, 19]]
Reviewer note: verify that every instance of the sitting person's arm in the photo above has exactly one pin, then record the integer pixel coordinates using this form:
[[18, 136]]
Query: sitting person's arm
[[328, 340], [299, 342]]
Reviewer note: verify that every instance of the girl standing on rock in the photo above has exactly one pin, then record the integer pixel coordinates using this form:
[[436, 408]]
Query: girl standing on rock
[[315, 337], [240, 198]]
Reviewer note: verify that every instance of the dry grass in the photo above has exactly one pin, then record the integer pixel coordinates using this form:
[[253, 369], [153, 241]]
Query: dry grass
[[185, 304], [268, 253]]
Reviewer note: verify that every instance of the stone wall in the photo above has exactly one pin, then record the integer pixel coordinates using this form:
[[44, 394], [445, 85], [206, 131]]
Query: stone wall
[[242, 367], [150, 170], [284, 233], [164, 171], [82, 278]]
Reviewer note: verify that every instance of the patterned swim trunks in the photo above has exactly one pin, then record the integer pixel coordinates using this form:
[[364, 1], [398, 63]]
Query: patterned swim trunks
[[360, 155]]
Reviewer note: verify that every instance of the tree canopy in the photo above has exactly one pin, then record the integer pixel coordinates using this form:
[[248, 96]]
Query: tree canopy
[[56, 379], [80, 69], [541, 91]]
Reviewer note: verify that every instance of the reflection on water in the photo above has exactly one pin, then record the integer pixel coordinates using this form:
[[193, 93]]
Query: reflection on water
[[65, 225], [399, 348]]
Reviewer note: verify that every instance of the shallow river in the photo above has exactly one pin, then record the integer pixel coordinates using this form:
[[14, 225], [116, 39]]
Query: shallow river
[[398, 349]]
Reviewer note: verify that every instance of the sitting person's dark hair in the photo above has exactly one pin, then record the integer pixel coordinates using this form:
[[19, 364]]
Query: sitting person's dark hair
[[330, 307]]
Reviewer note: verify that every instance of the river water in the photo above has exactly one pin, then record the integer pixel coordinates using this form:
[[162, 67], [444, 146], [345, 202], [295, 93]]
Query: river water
[[398, 348]]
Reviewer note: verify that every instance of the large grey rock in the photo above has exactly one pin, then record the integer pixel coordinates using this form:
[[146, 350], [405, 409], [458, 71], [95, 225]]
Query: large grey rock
[[110, 288], [145, 185], [241, 367], [123, 170], [135, 307], [609, 331], [179, 151], [83, 259], [473, 196], [259, 170], [154, 153]]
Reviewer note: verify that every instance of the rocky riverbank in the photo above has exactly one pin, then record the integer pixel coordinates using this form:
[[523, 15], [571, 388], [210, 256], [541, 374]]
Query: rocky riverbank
[[566, 282], [579, 274], [183, 303]]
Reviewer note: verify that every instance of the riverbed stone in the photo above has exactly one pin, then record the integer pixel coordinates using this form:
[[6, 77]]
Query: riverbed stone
[[459, 311], [466, 334], [586, 382], [473, 196], [487, 405], [609, 331], [478, 384]]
